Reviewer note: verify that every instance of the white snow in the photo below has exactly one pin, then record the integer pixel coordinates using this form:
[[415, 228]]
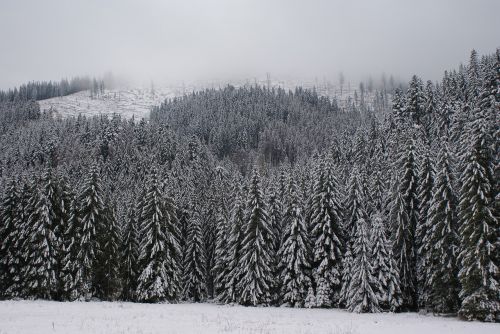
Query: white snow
[[126, 102], [41, 317]]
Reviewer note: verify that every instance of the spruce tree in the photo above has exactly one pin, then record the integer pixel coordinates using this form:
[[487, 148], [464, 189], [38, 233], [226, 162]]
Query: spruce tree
[[256, 261], [479, 228], [71, 250], [194, 262], [107, 280], [326, 222], [159, 251], [44, 242], [363, 284], [347, 264], [232, 275], [425, 188], [404, 217], [9, 214], [442, 240], [221, 250], [93, 220], [129, 254], [295, 253], [381, 262]]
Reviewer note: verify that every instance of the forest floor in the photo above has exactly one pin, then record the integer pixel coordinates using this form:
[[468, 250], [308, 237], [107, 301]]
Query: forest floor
[[119, 317]]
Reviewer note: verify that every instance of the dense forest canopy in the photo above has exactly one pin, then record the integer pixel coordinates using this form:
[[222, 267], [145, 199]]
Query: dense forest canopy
[[261, 196]]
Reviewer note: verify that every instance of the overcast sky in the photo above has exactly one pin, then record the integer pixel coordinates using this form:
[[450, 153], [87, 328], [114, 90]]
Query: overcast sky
[[198, 39]]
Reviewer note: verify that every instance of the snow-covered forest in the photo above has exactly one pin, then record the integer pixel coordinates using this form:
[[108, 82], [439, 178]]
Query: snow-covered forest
[[256, 195]]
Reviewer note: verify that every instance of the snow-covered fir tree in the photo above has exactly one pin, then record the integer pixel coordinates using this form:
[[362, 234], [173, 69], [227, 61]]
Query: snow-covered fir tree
[[363, 284], [71, 250], [158, 266], [193, 273], [326, 222], [93, 220], [295, 253], [231, 276], [441, 240], [256, 261], [404, 218], [129, 254], [479, 226], [425, 188], [8, 231], [381, 262]]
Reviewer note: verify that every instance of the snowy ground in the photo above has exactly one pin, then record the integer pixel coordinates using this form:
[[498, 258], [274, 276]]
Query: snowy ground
[[103, 317], [126, 102]]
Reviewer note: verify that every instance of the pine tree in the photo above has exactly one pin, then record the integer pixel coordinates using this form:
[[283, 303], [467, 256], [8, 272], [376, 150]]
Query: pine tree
[[158, 267], [93, 223], [232, 275], [479, 227], [394, 296], [404, 217], [129, 254], [362, 287], [107, 281], [326, 222], [256, 252], [71, 250], [425, 188], [221, 251], [43, 243], [194, 262], [347, 264], [381, 261], [415, 102], [9, 214], [310, 301], [295, 253], [355, 204], [442, 240]]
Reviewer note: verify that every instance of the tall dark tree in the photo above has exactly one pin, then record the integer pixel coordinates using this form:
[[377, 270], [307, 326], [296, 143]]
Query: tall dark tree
[[256, 261], [159, 251]]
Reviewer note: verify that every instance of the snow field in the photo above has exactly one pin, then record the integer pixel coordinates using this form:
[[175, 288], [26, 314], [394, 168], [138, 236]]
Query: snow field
[[30, 317]]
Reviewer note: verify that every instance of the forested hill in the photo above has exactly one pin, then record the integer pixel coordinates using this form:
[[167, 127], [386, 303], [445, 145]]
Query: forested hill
[[263, 197], [254, 121]]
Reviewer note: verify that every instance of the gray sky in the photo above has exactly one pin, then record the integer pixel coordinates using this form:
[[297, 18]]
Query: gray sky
[[199, 39]]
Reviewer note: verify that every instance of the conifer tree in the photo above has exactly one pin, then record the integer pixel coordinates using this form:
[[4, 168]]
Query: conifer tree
[[107, 280], [295, 253], [194, 262], [479, 227], [404, 217], [363, 285], [93, 221], [380, 260], [221, 250], [256, 261], [158, 266], [129, 254], [43, 243], [347, 264], [232, 275], [326, 222], [355, 204], [71, 250], [9, 227], [425, 188], [442, 240]]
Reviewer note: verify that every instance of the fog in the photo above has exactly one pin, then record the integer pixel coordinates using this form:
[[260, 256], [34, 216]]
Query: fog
[[199, 40]]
